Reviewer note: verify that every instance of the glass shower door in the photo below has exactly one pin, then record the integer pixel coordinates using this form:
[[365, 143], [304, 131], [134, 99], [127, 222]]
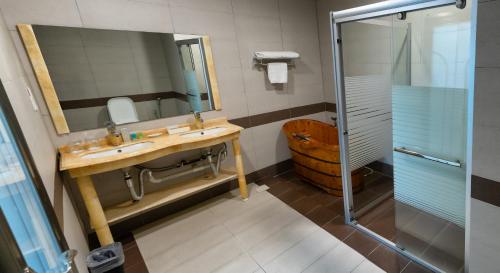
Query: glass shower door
[[405, 90], [429, 138]]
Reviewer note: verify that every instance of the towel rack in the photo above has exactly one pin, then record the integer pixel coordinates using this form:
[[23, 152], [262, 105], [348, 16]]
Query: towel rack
[[262, 63], [428, 157], [263, 58]]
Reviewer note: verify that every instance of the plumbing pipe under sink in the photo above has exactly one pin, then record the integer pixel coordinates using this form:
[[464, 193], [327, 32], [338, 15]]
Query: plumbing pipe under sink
[[129, 181], [148, 173], [214, 167]]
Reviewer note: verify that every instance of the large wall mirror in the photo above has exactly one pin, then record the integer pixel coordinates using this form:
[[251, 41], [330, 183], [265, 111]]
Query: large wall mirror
[[89, 77]]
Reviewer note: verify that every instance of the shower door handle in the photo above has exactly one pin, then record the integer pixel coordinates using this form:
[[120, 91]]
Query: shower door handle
[[428, 157]]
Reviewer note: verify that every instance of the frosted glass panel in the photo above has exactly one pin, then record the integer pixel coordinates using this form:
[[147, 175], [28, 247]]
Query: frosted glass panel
[[368, 100], [430, 121], [368, 89]]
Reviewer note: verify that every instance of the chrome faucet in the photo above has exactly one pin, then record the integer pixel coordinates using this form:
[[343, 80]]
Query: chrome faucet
[[111, 127], [198, 120]]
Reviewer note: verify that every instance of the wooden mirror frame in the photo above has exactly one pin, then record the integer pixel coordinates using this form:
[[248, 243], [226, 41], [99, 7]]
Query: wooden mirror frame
[[49, 92]]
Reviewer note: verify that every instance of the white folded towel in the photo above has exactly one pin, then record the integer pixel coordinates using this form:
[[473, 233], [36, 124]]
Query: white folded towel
[[276, 55], [277, 72]]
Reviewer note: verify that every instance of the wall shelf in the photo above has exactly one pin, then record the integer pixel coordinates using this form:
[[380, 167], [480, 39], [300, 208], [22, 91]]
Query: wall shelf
[[165, 196]]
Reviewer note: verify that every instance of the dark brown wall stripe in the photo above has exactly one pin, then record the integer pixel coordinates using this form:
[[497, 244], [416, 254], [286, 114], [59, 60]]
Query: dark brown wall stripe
[[265, 118], [485, 190], [331, 107], [84, 103]]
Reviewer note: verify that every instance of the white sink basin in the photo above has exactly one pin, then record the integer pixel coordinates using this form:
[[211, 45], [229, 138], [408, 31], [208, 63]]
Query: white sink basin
[[206, 132], [119, 150]]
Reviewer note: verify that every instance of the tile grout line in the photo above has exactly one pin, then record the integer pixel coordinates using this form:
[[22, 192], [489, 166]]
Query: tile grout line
[[246, 251], [324, 254]]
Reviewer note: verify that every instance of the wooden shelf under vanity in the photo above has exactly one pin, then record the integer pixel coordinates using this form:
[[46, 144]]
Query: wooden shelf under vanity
[[167, 195]]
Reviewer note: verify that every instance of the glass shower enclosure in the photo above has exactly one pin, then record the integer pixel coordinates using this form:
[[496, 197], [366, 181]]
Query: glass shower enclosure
[[402, 73]]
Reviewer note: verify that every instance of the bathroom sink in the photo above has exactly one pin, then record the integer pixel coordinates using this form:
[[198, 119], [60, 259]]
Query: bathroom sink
[[205, 132], [119, 150]]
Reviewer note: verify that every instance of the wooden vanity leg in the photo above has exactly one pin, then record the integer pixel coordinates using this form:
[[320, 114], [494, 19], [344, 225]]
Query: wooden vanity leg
[[94, 208], [239, 168]]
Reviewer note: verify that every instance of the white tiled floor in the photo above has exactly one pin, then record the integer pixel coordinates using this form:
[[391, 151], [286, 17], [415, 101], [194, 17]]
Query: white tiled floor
[[262, 235]]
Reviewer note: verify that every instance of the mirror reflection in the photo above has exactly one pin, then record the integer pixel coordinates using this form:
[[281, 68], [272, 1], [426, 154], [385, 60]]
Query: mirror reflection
[[125, 76]]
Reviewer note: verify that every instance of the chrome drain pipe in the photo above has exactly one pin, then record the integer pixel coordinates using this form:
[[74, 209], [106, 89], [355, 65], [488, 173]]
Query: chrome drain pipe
[[129, 181], [214, 167], [152, 179]]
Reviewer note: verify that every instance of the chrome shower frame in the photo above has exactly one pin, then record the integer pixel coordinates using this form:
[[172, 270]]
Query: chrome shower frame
[[384, 9]]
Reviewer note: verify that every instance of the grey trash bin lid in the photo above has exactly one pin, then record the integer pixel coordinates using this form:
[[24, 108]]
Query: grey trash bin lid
[[105, 258]]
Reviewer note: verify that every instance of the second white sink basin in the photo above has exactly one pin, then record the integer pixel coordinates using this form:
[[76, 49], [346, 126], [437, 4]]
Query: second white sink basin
[[119, 150], [205, 132]]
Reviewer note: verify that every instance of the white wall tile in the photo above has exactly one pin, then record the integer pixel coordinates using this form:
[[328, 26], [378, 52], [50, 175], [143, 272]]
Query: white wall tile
[[204, 5], [268, 8], [247, 144], [26, 68], [49, 12], [263, 101], [10, 68], [127, 15], [226, 54], [233, 97], [270, 144], [487, 54], [217, 25], [486, 152], [256, 33], [487, 97], [484, 242]]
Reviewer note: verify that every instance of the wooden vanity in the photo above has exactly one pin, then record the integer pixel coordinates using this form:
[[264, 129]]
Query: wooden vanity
[[87, 109], [81, 167]]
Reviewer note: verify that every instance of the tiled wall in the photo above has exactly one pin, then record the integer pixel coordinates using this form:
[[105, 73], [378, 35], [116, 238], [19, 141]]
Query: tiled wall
[[323, 12], [324, 7], [236, 28], [38, 138], [485, 210]]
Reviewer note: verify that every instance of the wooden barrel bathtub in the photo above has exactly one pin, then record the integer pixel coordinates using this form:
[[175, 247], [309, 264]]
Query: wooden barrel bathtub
[[316, 155]]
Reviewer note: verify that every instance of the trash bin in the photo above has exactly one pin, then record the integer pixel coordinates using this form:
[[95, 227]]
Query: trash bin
[[106, 259]]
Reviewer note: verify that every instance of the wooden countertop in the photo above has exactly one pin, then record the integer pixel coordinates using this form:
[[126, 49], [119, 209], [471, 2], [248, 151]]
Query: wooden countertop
[[160, 147]]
